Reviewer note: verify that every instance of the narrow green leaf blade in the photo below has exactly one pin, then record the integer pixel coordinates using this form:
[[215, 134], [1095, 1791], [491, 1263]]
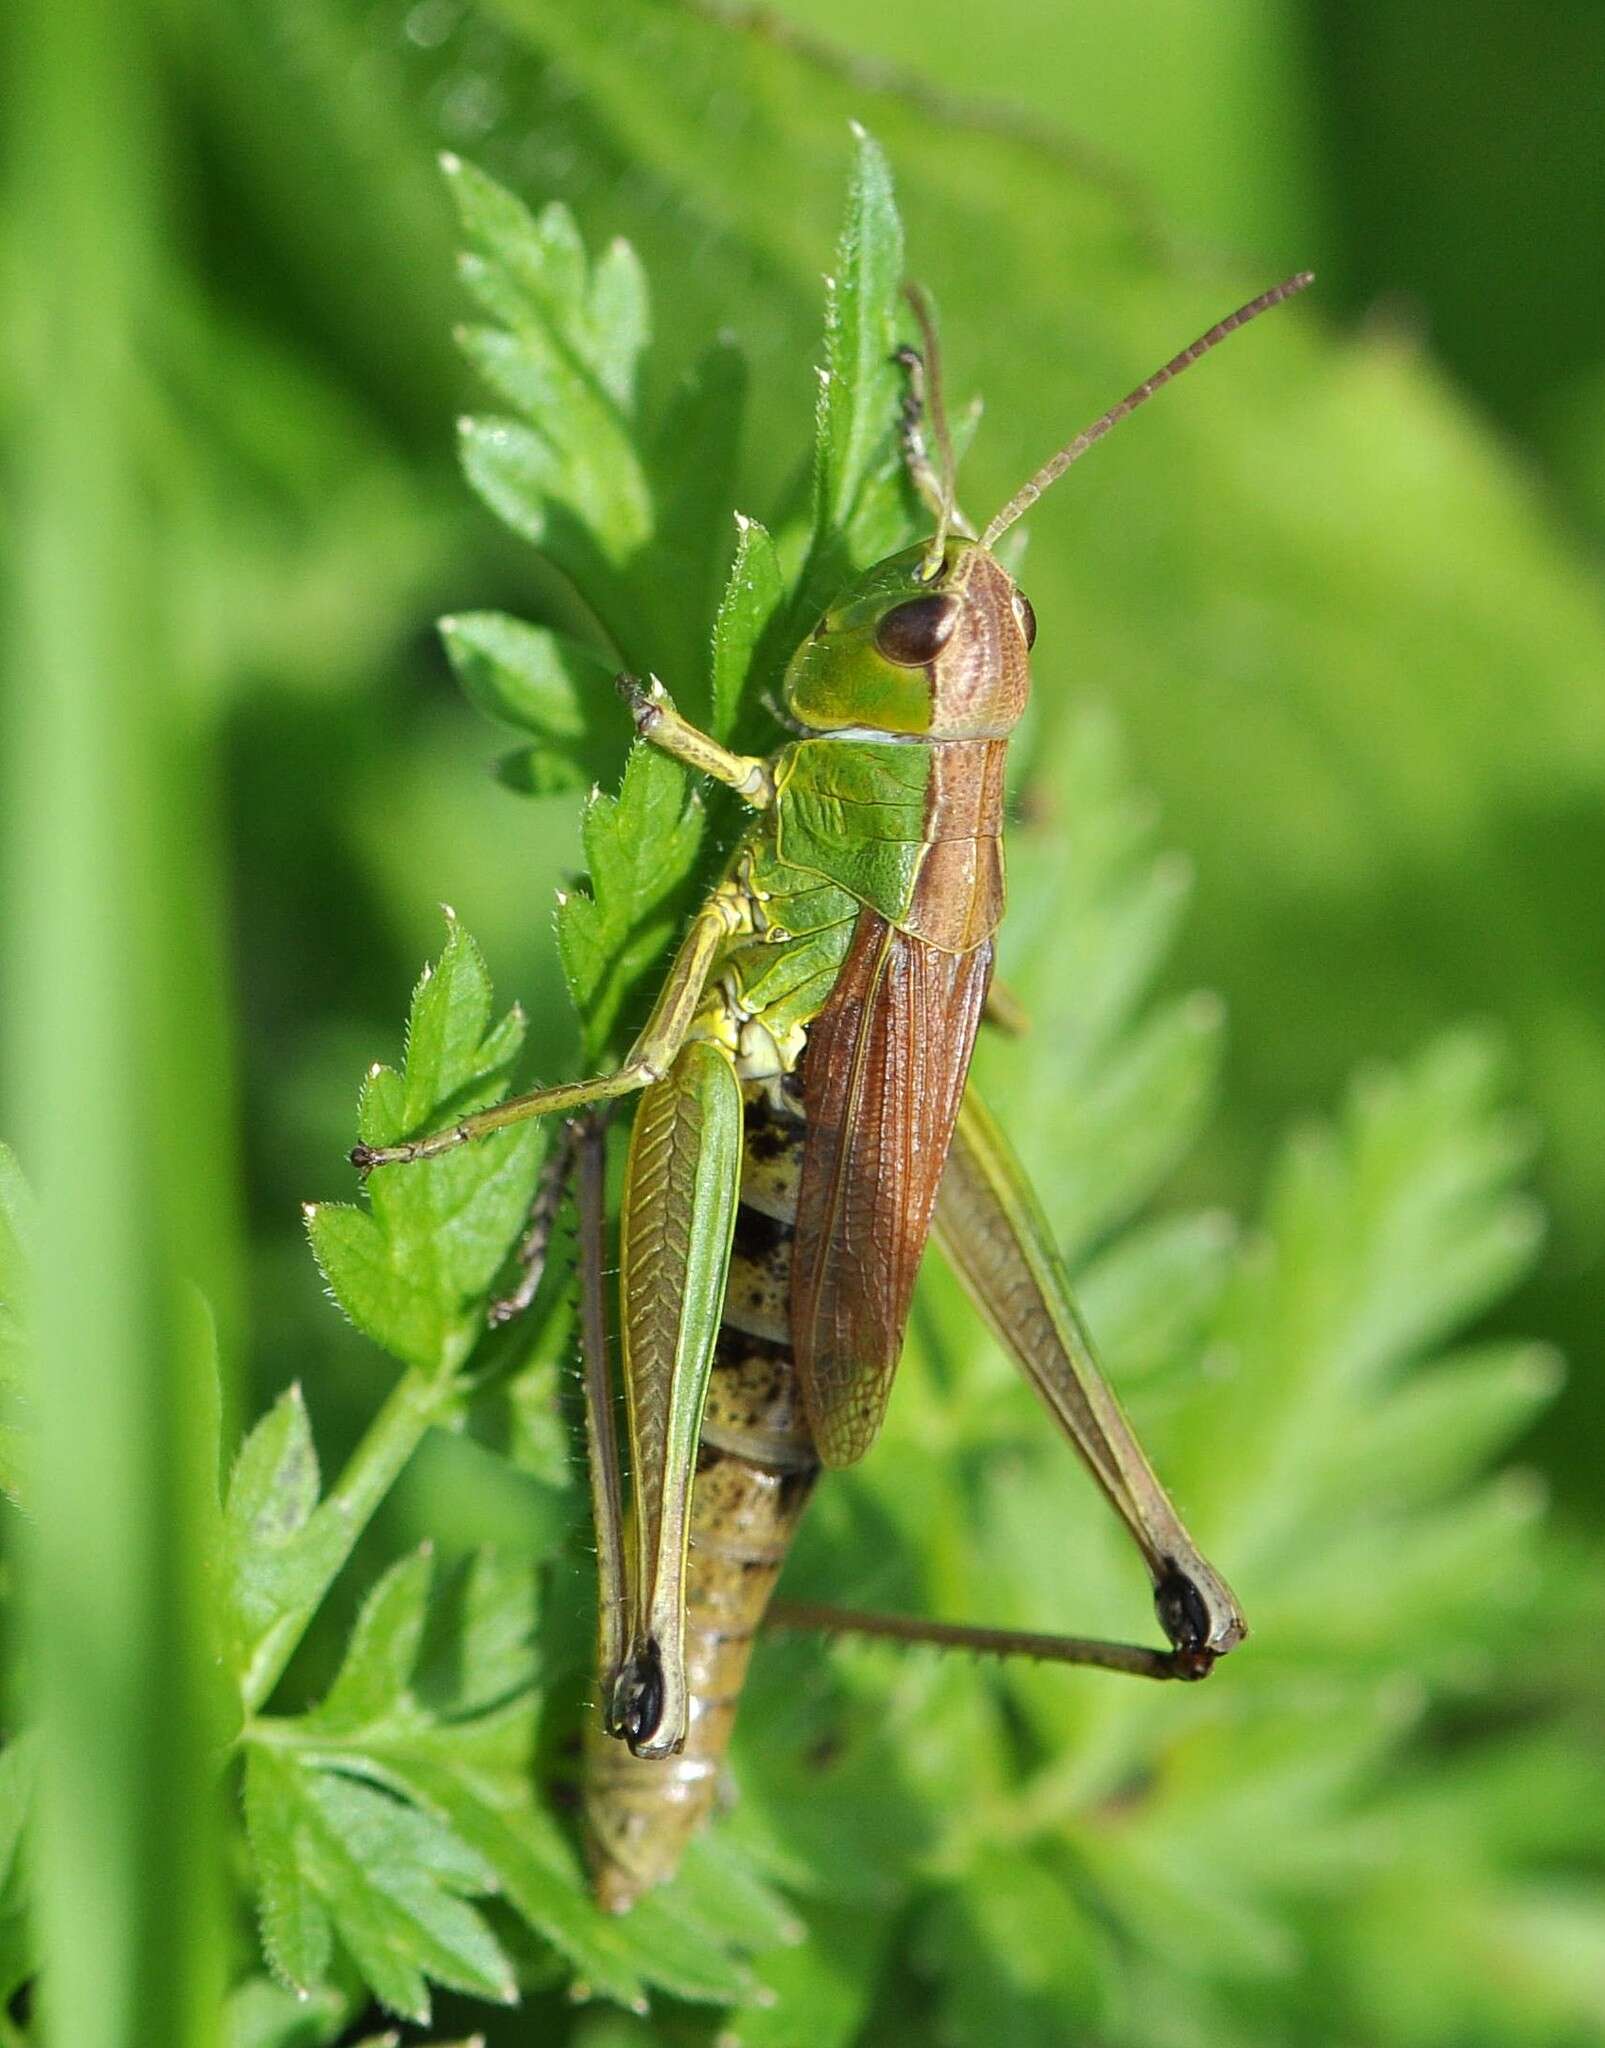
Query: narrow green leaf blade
[[859, 387], [621, 320], [753, 599], [276, 1554], [640, 849], [692, 462]]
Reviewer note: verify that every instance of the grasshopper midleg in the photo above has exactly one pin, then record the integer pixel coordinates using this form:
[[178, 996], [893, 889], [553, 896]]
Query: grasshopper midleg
[[556, 1172], [803, 1124]]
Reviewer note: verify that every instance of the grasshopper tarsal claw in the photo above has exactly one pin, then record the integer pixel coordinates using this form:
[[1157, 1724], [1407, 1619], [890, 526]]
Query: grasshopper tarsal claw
[[657, 720], [366, 1157], [646, 700]]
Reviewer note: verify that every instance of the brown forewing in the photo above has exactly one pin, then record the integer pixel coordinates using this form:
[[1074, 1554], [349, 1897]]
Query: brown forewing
[[883, 1079]]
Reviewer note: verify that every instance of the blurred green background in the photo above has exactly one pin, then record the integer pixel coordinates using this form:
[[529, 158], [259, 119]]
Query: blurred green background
[[1368, 697]]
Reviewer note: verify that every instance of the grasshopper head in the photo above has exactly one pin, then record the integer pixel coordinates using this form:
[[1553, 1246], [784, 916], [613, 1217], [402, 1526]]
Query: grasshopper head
[[939, 656]]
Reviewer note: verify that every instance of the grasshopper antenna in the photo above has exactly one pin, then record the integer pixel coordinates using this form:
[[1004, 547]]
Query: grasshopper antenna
[[935, 406], [1056, 465]]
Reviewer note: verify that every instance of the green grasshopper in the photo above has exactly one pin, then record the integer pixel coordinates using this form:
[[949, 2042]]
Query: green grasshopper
[[803, 1126]]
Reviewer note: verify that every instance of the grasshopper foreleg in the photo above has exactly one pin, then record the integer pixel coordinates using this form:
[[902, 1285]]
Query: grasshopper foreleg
[[922, 401], [657, 720], [649, 1059], [911, 429]]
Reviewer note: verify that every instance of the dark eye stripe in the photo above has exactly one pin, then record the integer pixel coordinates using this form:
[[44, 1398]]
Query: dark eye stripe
[[916, 632]]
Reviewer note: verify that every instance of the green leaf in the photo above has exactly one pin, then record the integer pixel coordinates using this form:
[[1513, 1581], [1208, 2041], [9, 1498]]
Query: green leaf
[[1103, 1094], [720, 1886], [262, 2014], [826, 1983], [1138, 1114], [546, 684], [341, 1848], [541, 491], [621, 320], [413, 1270], [435, 1716], [436, 1719], [276, 1556], [1434, 1433], [526, 676], [1152, 1296], [565, 356], [297, 1935], [753, 600], [532, 1432], [533, 274], [393, 1882], [540, 770], [692, 458], [631, 509], [275, 1482], [481, 1646], [382, 1650], [640, 848], [860, 386], [540, 1877], [393, 2040], [1013, 1957], [19, 1223]]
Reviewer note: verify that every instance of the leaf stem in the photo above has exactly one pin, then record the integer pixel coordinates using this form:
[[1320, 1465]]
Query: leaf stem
[[417, 1402]]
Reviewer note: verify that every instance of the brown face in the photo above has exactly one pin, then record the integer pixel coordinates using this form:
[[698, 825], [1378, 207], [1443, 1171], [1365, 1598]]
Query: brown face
[[981, 674], [944, 657]]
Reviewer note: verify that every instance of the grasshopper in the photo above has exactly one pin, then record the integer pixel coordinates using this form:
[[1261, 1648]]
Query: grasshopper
[[803, 1126]]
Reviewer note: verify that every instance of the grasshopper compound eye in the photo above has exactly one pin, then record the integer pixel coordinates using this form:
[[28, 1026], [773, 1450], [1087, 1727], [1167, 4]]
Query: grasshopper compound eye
[[914, 633], [1027, 618]]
